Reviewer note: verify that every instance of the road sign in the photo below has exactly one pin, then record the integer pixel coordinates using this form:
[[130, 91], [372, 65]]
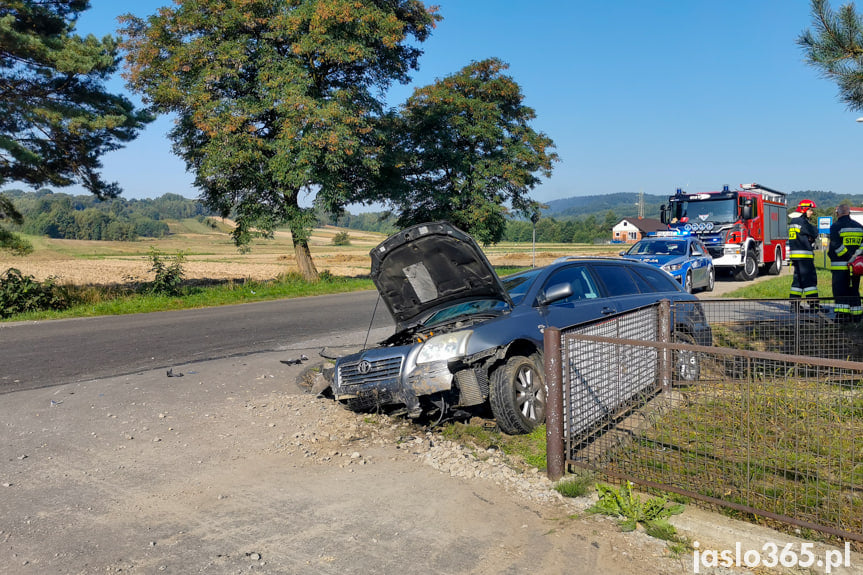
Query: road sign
[[824, 224]]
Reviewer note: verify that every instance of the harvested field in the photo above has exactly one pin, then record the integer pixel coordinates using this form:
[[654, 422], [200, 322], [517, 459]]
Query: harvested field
[[210, 254]]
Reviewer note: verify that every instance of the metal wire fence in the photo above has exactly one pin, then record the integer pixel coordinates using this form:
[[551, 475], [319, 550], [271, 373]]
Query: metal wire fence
[[768, 420]]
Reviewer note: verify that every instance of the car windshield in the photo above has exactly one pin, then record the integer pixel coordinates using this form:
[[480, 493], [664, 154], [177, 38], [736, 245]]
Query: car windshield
[[517, 284], [722, 211], [659, 248], [464, 309]]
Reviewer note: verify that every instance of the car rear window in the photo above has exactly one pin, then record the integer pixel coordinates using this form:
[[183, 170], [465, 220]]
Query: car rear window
[[617, 280]]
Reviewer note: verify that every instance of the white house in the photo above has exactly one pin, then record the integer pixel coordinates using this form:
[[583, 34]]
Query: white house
[[630, 230]]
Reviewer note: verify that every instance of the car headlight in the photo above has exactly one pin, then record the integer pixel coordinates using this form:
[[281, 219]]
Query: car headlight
[[444, 347], [731, 250], [672, 267]]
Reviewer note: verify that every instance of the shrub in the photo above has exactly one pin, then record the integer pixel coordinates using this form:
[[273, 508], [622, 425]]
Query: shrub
[[20, 293], [169, 273], [341, 239]]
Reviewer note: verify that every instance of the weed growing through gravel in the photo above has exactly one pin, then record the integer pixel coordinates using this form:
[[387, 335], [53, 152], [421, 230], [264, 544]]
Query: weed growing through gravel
[[631, 510]]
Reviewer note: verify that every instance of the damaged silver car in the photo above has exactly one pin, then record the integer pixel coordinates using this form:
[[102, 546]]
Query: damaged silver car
[[465, 337]]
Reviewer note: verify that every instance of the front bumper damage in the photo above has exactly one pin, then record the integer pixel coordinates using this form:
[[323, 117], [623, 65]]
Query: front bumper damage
[[390, 376]]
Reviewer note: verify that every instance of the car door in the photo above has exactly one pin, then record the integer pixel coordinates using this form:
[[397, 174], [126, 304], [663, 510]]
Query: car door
[[700, 263], [585, 302]]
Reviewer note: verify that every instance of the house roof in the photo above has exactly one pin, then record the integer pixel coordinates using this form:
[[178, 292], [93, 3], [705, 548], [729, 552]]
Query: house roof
[[645, 225]]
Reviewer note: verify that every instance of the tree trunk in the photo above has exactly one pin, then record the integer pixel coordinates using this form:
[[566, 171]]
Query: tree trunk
[[304, 260]]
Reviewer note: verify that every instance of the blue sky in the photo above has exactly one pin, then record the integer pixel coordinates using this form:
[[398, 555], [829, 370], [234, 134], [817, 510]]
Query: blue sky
[[637, 96]]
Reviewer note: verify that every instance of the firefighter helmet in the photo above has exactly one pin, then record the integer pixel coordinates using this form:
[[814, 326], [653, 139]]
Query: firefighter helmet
[[855, 266], [805, 205]]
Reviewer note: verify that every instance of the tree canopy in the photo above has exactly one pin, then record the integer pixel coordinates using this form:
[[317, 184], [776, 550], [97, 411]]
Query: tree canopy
[[465, 151], [835, 47], [275, 98], [56, 117]]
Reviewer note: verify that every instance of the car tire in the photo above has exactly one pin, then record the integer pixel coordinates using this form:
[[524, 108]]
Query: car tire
[[711, 279], [687, 282], [749, 270], [687, 364], [517, 395]]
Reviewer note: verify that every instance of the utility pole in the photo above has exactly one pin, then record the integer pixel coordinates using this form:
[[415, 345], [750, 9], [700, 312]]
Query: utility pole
[[534, 217]]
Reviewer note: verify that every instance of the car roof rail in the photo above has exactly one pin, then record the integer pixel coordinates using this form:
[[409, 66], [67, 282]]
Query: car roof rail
[[577, 258]]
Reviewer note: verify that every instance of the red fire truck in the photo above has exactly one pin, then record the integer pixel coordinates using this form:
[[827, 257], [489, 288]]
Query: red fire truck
[[744, 230]]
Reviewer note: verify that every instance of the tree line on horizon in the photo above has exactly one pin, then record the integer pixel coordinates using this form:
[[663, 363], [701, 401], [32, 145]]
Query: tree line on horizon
[[82, 217]]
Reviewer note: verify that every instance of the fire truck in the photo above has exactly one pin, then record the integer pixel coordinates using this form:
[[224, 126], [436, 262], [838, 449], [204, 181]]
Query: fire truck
[[744, 230]]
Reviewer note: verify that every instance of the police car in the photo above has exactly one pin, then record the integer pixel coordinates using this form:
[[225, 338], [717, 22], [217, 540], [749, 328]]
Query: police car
[[684, 257]]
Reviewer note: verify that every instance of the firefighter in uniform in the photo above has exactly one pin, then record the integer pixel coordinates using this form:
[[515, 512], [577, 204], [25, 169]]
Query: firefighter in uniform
[[801, 250], [846, 236]]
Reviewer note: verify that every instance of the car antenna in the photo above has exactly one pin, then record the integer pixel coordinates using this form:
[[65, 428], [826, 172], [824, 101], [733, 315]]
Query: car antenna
[[374, 312]]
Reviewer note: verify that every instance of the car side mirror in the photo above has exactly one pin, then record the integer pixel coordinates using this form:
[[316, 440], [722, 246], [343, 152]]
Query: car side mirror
[[555, 293], [623, 253]]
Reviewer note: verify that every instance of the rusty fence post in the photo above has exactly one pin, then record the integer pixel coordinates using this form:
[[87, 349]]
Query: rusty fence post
[[664, 332], [555, 460]]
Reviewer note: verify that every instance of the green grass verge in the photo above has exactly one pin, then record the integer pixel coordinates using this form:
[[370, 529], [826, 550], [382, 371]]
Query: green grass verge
[[780, 287], [120, 301]]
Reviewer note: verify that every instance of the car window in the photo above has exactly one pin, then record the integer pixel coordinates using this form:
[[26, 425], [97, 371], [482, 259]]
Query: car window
[[583, 286], [617, 280], [517, 285], [643, 285], [659, 280], [697, 249]]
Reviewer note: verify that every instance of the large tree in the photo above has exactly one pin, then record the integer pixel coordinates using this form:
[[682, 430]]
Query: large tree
[[466, 153], [56, 117], [835, 47], [275, 98]]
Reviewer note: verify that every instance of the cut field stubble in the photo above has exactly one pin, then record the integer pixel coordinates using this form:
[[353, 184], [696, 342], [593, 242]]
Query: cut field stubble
[[211, 255]]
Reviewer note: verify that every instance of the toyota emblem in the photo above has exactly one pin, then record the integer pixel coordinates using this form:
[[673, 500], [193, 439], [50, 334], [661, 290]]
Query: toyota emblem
[[364, 366]]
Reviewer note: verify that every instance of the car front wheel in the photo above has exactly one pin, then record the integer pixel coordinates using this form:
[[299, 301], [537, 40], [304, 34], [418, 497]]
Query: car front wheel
[[517, 395], [686, 363]]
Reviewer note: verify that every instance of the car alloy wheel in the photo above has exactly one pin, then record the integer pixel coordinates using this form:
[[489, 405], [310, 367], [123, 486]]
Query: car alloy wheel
[[687, 366], [517, 395]]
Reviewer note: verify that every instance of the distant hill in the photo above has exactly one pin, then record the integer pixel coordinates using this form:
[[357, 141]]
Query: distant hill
[[626, 204], [622, 204]]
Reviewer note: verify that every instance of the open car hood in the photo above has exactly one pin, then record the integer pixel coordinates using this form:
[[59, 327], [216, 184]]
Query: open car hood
[[428, 266]]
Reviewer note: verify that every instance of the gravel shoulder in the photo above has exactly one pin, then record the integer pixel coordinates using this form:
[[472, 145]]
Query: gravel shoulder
[[233, 467]]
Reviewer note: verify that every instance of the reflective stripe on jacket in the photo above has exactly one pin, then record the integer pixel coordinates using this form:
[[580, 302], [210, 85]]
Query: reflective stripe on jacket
[[846, 236], [801, 239]]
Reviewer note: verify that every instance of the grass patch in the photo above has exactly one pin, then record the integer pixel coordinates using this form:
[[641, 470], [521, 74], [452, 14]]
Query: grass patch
[[780, 287], [577, 485], [529, 448], [788, 445]]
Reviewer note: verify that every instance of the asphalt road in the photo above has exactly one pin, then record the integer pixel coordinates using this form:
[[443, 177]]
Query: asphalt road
[[47, 353]]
